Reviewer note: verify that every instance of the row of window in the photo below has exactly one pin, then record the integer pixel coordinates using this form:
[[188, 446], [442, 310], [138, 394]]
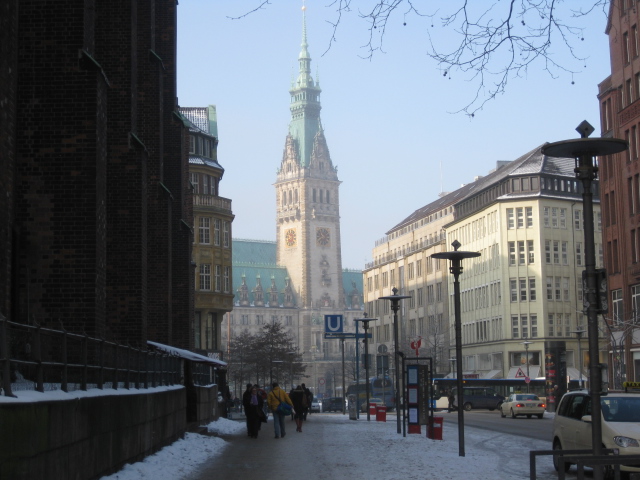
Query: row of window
[[201, 183], [221, 232], [286, 320], [221, 277], [204, 146], [482, 330], [318, 195], [617, 307], [414, 269], [205, 332], [522, 289], [481, 297]]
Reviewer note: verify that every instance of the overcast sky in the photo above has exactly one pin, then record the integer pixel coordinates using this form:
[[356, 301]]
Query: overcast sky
[[387, 121]]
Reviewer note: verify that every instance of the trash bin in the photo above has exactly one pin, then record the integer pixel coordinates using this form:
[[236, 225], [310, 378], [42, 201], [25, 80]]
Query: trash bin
[[372, 409], [434, 428], [381, 413]]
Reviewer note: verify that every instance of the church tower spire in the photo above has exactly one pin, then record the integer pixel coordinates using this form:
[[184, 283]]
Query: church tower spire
[[305, 102], [307, 196]]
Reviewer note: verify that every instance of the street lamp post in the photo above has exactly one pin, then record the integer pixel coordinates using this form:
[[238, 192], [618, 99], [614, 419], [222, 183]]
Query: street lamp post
[[526, 349], [291, 356], [583, 150], [395, 305], [456, 258], [365, 325], [579, 333]]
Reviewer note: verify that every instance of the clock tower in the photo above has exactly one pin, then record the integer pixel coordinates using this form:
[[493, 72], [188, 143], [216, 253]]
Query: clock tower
[[308, 201]]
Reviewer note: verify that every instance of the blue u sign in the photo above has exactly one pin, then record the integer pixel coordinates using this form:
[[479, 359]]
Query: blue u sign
[[333, 323]]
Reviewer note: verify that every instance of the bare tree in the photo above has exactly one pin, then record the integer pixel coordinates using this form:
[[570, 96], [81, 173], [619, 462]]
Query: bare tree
[[494, 41]]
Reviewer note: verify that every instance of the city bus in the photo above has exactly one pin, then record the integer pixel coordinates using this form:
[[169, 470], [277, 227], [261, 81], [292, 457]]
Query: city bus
[[380, 387], [502, 386]]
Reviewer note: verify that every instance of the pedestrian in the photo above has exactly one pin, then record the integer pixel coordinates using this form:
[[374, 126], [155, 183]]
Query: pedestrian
[[274, 399], [309, 395], [246, 397], [452, 398], [254, 413], [299, 399]]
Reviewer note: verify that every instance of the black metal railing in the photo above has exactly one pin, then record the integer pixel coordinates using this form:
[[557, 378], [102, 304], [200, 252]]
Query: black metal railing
[[43, 359]]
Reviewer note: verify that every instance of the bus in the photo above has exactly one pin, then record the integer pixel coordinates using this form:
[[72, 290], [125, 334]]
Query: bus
[[502, 386], [380, 387]]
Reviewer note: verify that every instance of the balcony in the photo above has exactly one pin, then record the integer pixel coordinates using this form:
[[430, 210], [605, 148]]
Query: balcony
[[219, 203]]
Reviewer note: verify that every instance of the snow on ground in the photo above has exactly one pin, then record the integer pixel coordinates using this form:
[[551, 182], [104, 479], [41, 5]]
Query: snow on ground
[[488, 454]]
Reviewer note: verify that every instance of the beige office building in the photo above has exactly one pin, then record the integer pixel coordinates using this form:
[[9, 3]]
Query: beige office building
[[526, 220]]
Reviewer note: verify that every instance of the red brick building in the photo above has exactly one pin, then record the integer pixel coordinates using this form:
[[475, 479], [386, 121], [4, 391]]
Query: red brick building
[[620, 190], [95, 203]]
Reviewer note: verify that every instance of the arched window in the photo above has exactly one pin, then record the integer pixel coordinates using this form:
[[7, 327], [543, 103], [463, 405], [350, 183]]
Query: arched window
[[328, 197]]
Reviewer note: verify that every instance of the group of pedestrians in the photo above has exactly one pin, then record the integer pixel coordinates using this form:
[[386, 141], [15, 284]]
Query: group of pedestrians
[[299, 401]]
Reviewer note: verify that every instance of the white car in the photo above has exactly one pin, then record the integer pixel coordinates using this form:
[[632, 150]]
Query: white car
[[522, 404], [620, 424], [316, 406]]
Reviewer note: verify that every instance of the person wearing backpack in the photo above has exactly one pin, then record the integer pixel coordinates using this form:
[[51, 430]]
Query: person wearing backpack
[[276, 397], [299, 399]]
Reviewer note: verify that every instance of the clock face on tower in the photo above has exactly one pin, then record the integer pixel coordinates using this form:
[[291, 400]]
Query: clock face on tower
[[323, 237], [290, 237]]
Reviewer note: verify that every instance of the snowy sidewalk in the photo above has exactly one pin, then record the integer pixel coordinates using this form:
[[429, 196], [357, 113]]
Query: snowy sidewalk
[[333, 447]]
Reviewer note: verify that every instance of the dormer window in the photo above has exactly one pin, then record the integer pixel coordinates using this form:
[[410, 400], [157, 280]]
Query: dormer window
[[192, 144]]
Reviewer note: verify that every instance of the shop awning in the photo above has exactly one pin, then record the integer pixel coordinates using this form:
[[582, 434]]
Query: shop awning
[[186, 354]]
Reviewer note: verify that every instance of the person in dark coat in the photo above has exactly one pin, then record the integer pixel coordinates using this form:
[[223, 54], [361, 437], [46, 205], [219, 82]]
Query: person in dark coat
[[299, 399], [253, 411], [246, 397], [309, 395]]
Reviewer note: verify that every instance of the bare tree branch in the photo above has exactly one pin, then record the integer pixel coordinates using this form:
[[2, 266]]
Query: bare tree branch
[[498, 41]]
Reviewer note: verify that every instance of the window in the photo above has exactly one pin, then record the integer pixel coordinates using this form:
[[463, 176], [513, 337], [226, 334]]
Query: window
[[565, 289], [547, 251], [510, 219], [534, 326], [565, 253], [529, 214], [411, 271], [512, 253], [204, 230], [514, 289], [563, 217], [635, 303], [194, 183], [579, 254], [617, 307], [419, 268], [532, 289], [227, 280], [523, 289], [554, 217], [205, 277], [546, 217], [550, 288], [515, 326], [217, 224], [578, 221], [558, 292], [420, 297], [439, 292], [521, 253], [226, 239], [520, 214], [530, 253], [218, 278]]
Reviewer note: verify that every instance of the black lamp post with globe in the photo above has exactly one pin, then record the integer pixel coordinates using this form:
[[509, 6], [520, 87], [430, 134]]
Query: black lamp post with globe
[[455, 269], [395, 306], [583, 150]]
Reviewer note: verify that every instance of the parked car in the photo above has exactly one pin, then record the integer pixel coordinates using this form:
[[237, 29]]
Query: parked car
[[333, 404], [372, 401], [316, 406], [522, 404], [479, 397], [620, 416]]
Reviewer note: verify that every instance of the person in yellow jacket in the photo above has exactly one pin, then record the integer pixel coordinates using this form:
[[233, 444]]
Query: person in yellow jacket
[[276, 397]]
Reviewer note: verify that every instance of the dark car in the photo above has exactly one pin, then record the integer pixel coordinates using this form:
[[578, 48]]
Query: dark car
[[333, 404], [480, 397]]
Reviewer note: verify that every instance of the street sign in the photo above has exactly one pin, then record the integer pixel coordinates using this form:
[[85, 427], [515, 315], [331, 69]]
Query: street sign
[[520, 373], [349, 336], [333, 324], [527, 379]]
